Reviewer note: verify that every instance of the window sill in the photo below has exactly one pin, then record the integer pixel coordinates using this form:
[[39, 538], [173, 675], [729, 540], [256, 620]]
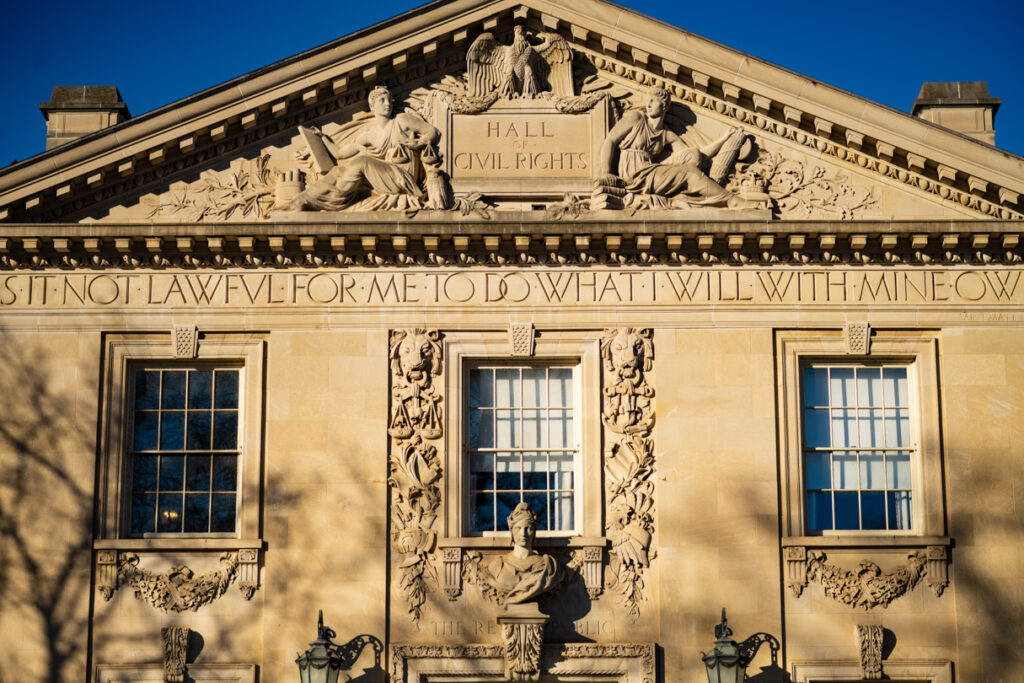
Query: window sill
[[504, 542], [866, 541], [159, 544]]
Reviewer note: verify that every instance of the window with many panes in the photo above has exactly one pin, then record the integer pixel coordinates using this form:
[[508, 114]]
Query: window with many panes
[[858, 447], [522, 444], [183, 450]]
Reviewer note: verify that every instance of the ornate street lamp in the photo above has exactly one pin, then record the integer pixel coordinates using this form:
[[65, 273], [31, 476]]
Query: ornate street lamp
[[725, 663], [320, 663]]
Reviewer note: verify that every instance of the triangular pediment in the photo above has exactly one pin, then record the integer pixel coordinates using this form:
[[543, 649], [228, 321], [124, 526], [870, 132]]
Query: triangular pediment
[[241, 150]]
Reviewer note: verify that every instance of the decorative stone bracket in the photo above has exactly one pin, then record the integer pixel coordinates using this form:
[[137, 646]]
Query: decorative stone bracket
[[869, 644], [186, 341], [180, 589], [175, 652], [522, 634], [866, 586]]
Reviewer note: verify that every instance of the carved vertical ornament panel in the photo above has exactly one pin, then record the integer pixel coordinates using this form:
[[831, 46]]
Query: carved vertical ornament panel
[[414, 468], [628, 416]]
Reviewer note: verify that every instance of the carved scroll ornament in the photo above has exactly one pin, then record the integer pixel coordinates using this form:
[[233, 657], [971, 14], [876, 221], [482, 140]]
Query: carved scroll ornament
[[628, 416], [414, 468], [180, 589]]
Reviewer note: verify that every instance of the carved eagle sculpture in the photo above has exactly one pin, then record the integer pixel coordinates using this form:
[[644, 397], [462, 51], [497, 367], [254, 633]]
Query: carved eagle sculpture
[[519, 69]]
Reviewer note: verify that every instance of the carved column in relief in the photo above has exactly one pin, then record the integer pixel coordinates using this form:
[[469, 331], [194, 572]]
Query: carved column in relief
[[628, 416], [414, 468]]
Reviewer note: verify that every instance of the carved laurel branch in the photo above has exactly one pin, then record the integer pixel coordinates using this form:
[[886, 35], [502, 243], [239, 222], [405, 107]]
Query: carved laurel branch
[[245, 191], [866, 586], [414, 468], [180, 589], [794, 190], [628, 417], [915, 172]]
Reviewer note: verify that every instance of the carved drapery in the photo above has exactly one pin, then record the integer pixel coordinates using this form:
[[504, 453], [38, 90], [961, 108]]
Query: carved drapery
[[869, 645], [179, 590], [175, 652], [414, 468], [628, 416]]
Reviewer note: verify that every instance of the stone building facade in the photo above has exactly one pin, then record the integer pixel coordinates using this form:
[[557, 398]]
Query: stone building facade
[[520, 339]]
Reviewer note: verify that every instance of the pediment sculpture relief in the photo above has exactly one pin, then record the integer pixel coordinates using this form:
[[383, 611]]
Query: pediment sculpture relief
[[379, 161], [650, 166], [522, 68]]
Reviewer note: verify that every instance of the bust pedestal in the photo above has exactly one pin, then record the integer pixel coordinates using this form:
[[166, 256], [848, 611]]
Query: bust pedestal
[[522, 633]]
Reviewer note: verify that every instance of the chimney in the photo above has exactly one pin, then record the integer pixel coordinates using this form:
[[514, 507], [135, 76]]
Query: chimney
[[77, 110], [963, 106]]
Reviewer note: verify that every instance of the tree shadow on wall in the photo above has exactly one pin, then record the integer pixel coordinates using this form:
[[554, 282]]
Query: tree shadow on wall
[[47, 451]]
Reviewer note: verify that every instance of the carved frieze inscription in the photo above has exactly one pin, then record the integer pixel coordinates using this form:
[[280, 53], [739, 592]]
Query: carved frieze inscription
[[349, 287]]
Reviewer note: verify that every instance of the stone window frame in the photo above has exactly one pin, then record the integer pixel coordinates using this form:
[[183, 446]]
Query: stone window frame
[[125, 353], [462, 352], [918, 351]]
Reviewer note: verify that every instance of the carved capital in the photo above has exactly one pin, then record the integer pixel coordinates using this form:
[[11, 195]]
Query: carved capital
[[938, 568], [869, 644], [858, 338], [186, 341], [522, 634], [175, 652], [452, 558], [522, 337], [796, 569]]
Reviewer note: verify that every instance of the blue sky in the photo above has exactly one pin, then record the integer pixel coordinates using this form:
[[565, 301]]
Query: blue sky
[[161, 52]]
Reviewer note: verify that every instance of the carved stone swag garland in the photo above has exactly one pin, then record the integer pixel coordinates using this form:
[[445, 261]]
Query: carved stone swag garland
[[180, 589], [414, 468], [628, 416]]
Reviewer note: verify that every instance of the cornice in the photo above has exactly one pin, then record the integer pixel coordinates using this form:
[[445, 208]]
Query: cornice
[[529, 241], [967, 175]]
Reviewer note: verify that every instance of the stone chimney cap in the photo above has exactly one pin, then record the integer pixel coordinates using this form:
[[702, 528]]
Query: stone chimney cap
[[954, 94], [85, 98]]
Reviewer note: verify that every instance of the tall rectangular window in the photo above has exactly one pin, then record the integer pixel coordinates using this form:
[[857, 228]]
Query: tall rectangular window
[[522, 445], [858, 447], [183, 445]]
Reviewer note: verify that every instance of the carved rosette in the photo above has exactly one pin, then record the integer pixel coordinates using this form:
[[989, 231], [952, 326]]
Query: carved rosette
[[628, 416], [414, 468], [175, 652], [869, 642]]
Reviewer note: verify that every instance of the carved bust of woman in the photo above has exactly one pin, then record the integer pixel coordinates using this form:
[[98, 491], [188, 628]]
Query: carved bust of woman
[[522, 574]]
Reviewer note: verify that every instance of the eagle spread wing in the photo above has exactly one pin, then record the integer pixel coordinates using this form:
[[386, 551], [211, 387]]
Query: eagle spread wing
[[485, 64], [556, 55]]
